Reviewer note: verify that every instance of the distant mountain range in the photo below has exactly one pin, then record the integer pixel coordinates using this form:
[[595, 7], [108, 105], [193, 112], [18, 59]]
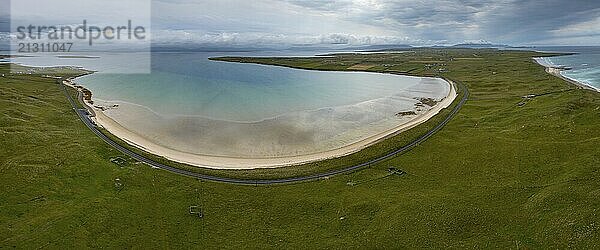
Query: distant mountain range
[[295, 47], [4, 46], [383, 47], [479, 46], [379, 48]]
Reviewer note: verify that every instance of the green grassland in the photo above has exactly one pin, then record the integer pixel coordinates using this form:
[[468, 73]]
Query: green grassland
[[506, 172]]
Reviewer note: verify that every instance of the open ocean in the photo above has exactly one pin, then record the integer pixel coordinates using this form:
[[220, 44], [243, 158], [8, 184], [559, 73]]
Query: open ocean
[[194, 105], [585, 64]]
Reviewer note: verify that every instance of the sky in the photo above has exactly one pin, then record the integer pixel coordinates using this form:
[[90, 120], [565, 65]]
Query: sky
[[356, 22]]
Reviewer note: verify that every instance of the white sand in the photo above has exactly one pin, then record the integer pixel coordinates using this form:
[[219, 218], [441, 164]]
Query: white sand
[[227, 162], [557, 71]]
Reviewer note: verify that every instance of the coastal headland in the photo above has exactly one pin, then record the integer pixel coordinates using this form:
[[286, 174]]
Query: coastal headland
[[517, 166]]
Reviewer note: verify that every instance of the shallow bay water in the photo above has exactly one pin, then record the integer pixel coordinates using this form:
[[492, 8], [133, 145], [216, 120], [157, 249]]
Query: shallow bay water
[[191, 104]]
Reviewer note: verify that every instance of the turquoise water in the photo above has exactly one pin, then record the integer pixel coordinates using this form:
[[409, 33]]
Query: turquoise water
[[193, 105], [188, 84], [585, 64]]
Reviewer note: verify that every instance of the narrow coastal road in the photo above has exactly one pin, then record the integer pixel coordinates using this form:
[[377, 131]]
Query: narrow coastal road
[[84, 116]]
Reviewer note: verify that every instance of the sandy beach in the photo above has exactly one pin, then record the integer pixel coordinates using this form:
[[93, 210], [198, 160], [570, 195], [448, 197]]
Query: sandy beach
[[226, 162], [557, 71]]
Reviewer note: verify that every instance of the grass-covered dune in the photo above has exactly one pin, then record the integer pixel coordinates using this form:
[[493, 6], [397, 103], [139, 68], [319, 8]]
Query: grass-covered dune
[[506, 172]]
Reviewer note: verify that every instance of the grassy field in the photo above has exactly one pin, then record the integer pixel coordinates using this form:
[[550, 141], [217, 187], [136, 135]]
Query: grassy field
[[506, 172]]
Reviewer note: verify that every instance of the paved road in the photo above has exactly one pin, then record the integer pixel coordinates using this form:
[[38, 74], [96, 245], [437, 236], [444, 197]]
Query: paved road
[[84, 116]]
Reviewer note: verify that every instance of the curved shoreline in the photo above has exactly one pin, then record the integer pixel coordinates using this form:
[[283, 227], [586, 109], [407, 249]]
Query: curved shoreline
[[226, 162], [557, 71]]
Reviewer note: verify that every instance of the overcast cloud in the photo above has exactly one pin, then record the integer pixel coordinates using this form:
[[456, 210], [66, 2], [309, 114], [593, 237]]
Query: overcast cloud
[[390, 21], [361, 22]]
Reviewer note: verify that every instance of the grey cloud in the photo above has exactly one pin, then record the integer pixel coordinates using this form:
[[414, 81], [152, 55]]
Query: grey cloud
[[528, 21], [371, 21], [4, 15], [507, 21], [322, 5]]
